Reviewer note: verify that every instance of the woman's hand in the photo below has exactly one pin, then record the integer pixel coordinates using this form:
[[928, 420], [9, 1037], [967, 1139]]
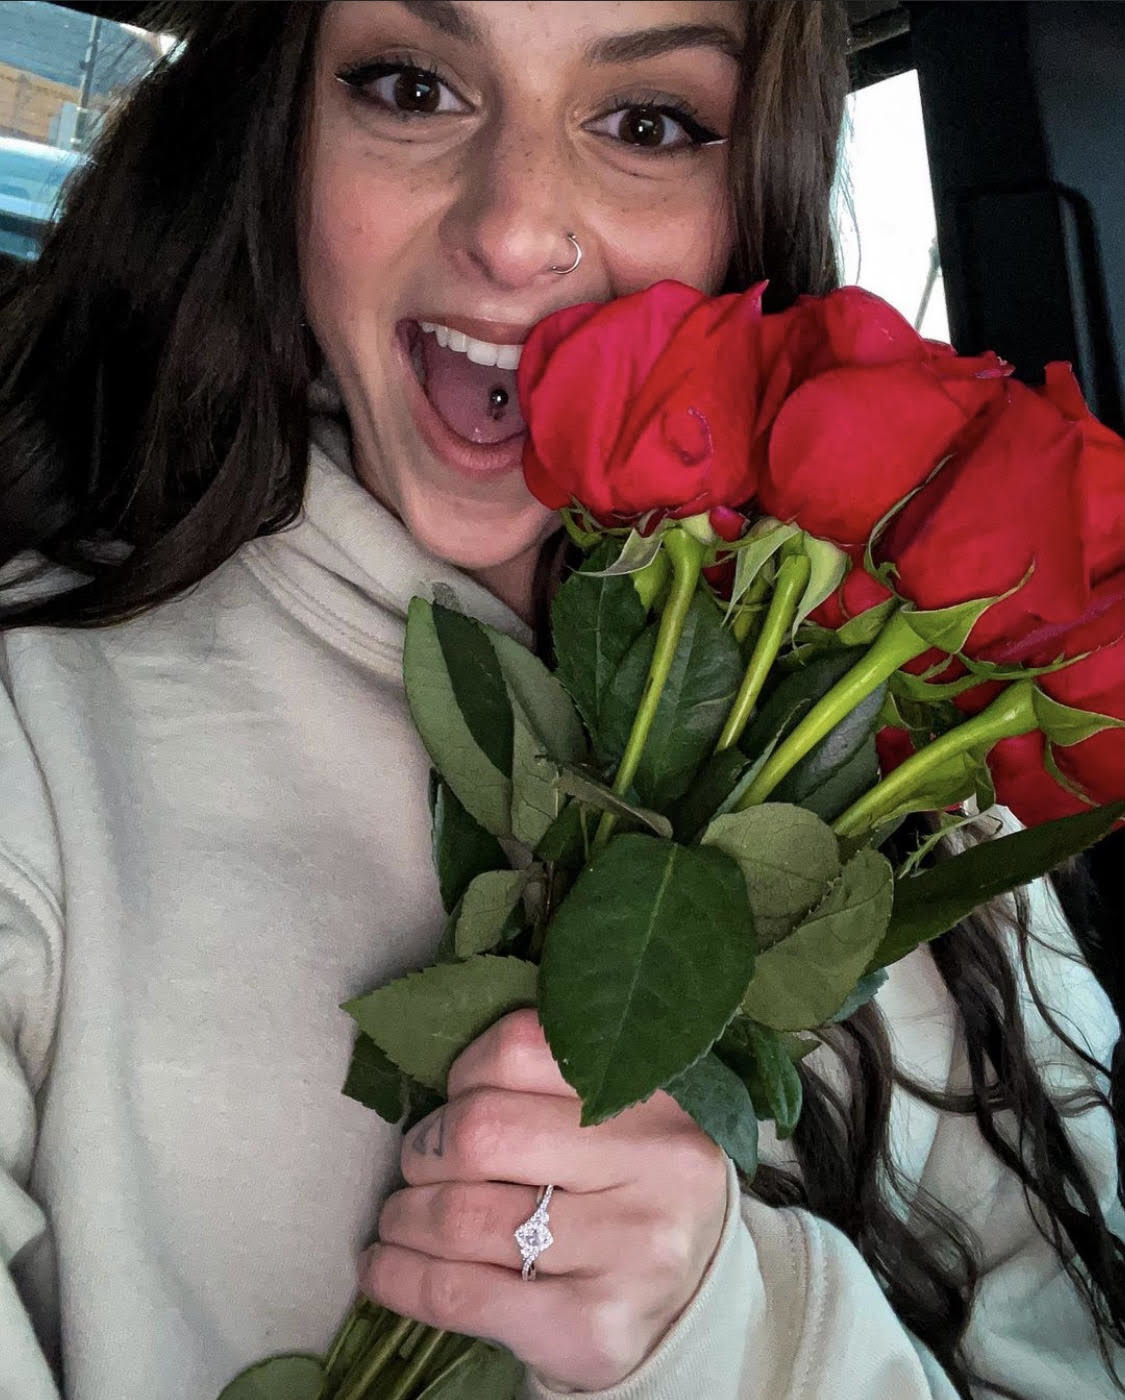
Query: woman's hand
[[637, 1212]]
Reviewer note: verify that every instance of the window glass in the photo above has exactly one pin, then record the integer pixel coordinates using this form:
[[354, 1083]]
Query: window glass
[[60, 71], [888, 238]]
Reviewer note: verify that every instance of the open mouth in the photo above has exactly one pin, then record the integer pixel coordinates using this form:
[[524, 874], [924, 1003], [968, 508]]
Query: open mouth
[[469, 384]]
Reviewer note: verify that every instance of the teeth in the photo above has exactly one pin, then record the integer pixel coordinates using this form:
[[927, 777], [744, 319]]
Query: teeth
[[481, 352]]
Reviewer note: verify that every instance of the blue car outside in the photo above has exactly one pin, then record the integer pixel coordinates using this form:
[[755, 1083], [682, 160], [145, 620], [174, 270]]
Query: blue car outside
[[31, 179]]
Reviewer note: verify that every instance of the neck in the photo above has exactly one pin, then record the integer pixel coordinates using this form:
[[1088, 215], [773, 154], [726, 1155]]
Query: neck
[[513, 582]]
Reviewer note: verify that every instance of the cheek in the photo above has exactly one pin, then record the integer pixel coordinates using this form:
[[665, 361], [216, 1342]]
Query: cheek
[[358, 226], [682, 233]]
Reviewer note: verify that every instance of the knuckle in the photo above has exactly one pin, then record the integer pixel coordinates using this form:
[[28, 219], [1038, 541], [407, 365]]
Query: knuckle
[[668, 1250], [443, 1297], [463, 1221], [518, 1042], [610, 1327], [478, 1131]]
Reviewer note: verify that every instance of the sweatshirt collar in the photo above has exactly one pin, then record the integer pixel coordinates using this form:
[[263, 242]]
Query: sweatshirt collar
[[350, 568]]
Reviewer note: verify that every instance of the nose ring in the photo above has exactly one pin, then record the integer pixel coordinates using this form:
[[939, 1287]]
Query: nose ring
[[577, 258]]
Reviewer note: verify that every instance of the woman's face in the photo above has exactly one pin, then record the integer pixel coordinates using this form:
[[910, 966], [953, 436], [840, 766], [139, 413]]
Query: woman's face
[[452, 148]]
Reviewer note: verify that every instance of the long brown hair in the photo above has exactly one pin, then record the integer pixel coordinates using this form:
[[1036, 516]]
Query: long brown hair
[[154, 372]]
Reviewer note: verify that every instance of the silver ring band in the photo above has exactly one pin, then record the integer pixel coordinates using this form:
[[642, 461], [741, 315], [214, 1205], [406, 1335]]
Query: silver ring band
[[534, 1235], [562, 271]]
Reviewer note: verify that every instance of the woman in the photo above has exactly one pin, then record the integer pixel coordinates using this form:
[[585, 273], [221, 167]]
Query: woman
[[214, 825]]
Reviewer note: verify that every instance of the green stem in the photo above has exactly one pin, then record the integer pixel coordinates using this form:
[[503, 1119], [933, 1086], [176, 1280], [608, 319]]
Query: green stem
[[362, 1317], [792, 579], [748, 619], [368, 1367], [686, 555], [896, 644], [427, 1344], [1011, 713]]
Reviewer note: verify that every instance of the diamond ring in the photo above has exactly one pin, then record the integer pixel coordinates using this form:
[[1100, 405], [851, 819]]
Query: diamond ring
[[534, 1235]]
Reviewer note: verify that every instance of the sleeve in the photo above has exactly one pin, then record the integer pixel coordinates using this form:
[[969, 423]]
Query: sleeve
[[788, 1309], [30, 959]]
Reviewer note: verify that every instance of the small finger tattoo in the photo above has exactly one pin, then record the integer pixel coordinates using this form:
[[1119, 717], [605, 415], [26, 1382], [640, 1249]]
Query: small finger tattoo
[[430, 1140]]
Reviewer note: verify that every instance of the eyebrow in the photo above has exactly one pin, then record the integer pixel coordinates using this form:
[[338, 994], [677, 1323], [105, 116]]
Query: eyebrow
[[450, 18], [651, 43]]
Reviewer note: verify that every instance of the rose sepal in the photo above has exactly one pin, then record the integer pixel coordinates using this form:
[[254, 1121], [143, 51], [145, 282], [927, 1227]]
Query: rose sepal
[[754, 552], [947, 629], [637, 553], [575, 523], [1065, 725], [828, 564]]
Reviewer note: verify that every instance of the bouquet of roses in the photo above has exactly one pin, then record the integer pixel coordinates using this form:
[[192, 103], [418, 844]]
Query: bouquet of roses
[[834, 575]]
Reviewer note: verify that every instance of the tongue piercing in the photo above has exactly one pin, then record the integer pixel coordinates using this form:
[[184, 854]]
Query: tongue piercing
[[497, 402]]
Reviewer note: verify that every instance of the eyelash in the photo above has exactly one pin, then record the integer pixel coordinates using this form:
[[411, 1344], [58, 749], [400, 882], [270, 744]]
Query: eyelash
[[358, 77]]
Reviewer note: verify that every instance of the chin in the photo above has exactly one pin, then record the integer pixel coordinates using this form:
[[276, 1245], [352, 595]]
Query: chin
[[475, 540]]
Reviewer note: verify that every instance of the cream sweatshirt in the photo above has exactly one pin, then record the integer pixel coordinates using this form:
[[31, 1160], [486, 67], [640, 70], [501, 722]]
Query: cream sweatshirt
[[214, 830]]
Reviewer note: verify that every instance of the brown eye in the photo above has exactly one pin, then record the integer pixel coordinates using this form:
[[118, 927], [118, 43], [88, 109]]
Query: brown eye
[[649, 127], [415, 91], [641, 128], [404, 89]]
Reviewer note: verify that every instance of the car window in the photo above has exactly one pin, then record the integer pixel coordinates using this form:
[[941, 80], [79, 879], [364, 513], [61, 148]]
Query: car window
[[60, 73], [887, 228]]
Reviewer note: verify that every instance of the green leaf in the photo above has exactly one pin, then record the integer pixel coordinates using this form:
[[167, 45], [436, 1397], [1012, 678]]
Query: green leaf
[[804, 980], [424, 1020], [643, 966], [485, 908], [478, 683], [793, 696], [864, 991], [564, 841], [462, 849], [841, 767], [762, 1059], [718, 1101], [704, 677], [547, 708], [591, 793], [292, 1377], [481, 1371], [374, 1081], [713, 787], [483, 789], [788, 858], [594, 622], [929, 903], [420, 1102], [536, 800]]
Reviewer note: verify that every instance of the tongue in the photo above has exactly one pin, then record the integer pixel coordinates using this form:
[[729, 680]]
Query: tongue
[[462, 393]]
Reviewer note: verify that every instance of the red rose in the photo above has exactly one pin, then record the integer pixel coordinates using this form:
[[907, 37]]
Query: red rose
[[646, 402], [1095, 765], [1029, 488], [865, 410]]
